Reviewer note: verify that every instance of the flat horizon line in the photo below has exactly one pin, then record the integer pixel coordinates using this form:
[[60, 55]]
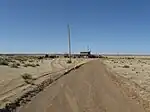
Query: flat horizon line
[[108, 54]]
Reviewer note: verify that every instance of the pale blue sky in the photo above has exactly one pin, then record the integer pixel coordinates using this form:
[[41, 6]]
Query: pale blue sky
[[107, 26]]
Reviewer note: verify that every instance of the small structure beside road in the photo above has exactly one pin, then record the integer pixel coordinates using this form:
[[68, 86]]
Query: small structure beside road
[[87, 53]]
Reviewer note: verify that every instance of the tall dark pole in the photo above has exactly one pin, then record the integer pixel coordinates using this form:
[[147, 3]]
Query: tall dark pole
[[69, 43]]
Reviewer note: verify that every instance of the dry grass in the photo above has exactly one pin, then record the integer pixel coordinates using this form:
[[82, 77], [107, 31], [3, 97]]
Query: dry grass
[[18, 61]]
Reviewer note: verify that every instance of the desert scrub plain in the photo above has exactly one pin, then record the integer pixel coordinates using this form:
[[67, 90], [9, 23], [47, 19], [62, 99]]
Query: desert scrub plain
[[135, 72], [20, 73]]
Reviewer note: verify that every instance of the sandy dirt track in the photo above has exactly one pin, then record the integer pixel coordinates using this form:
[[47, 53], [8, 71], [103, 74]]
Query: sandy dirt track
[[87, 89]]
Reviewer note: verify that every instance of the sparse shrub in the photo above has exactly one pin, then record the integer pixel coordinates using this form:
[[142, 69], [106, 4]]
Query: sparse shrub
[[37, 64], [18, 64], [52, 56], [29, 82], [100, 56], [32, 65], [31, 60], [114, 66], [29, 65], [78, 56], [130, 58], [9, 59], [115, 62], [122, 62], [22, 62], [69, 61], [74, 56], [133, 69], [15, 65], [13, 61], [66, 56], [25, 65], [28, 78], [21, 58], [41, 57], [4, 62], [126, 66]]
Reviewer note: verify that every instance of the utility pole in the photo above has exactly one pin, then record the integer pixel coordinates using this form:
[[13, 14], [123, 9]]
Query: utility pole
[[69, 44], [88, 49]]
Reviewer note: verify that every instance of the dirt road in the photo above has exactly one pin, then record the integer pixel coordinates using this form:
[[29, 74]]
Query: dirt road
[[87, 89]]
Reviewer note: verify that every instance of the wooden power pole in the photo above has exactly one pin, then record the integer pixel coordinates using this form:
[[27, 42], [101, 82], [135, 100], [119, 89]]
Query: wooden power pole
[[69, 44]]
